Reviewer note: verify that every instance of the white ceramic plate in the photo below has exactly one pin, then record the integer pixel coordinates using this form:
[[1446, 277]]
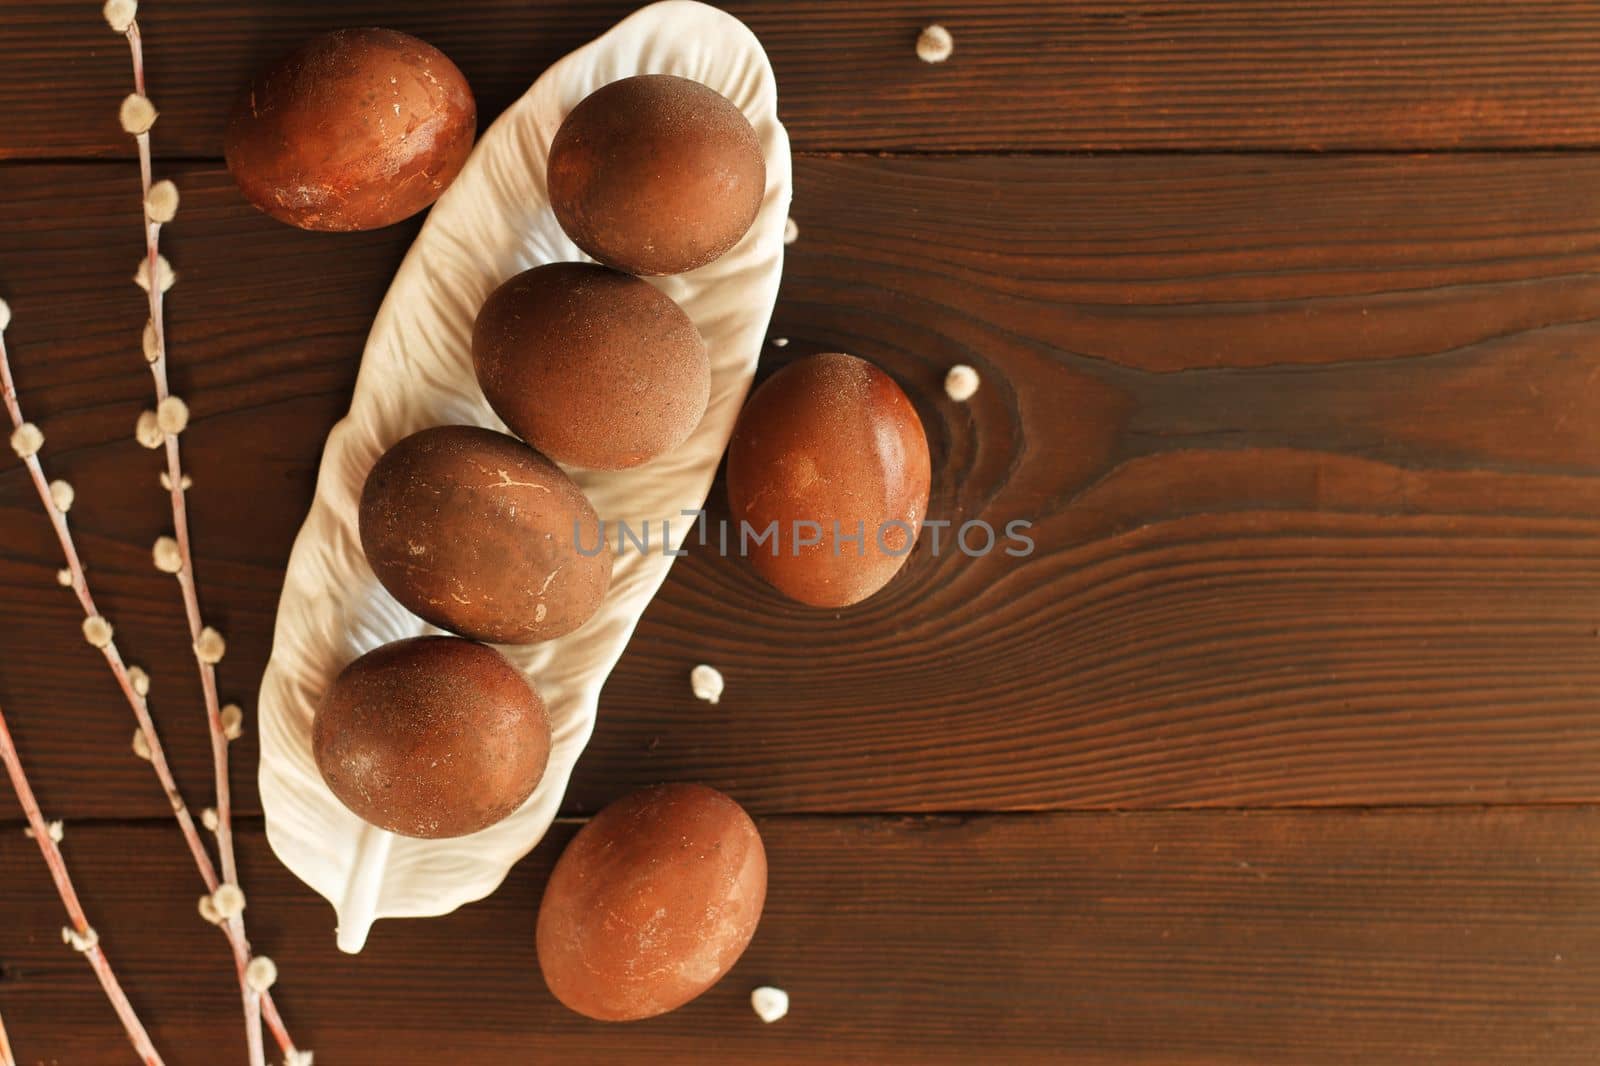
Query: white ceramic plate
[[494, 221]]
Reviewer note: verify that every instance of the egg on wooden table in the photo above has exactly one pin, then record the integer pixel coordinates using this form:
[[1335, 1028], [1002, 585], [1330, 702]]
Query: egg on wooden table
[[431, 737], [830, 450], [354, 130], [656, 174], [593, 367], [651, 903], [479, 534]]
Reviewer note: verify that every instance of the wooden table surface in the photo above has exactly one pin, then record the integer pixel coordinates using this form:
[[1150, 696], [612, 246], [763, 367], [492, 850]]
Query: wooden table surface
[[1282, 748]]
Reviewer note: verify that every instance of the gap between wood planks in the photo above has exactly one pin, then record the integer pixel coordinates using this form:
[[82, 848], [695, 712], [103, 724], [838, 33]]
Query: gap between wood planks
[[257, 820], [21, 160]]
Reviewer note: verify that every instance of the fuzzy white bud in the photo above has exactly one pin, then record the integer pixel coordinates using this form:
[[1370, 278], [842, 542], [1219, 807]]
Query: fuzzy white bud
[[61, 495], [172, 416], [935, 45], [137, 114], [150, 343], [64, 578], [85, 941], [961, 383], [54, 830], [298, 1057], [210, 647], [138, 680], [26, 440], [166, 277], [706, 681], [208, 910], [5, 314], [147, 430], [232, 721], [791, 231], [208, 818], [97, 631], [161, 202], [261, 974], [229, 900], [185, 482], [120, 14], [770, 1003], [141, 744], [168, 558]]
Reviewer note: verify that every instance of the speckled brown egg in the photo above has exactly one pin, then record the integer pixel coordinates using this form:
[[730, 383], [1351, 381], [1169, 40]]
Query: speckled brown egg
[[431, 737], [593, 367], [479, 534], [830, 440], [354, 130], [652, 902], [656, 174]]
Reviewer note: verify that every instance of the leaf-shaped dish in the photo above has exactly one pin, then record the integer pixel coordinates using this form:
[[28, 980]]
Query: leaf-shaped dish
[[416, 371]]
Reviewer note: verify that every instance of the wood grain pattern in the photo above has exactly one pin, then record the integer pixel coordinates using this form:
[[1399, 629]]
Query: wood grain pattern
[[1304, 938], [1309, 445], [1100, 75]]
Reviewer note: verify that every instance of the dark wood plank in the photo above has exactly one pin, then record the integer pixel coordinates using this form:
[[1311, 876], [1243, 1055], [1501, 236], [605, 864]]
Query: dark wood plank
[[1108, 74], [1302, 938], [1309, 444]]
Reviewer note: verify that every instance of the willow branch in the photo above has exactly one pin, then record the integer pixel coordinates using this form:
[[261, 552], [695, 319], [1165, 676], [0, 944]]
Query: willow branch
[[131, 681], [164, 426], [80, 934]]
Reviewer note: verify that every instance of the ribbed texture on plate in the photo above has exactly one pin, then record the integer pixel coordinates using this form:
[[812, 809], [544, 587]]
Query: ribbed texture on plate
[[416, 372]]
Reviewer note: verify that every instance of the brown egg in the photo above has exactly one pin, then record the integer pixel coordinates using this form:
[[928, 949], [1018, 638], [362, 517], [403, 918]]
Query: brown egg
[[431, 737], [356, 129], [830, 440], [656, 174], [479, 534], [593, 367], [652, 902]]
